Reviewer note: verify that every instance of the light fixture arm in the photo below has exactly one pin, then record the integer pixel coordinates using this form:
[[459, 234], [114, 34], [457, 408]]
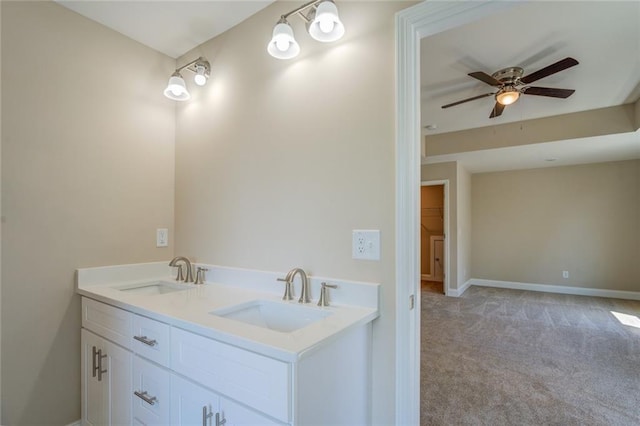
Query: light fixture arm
[[200, 61], [299, 10]]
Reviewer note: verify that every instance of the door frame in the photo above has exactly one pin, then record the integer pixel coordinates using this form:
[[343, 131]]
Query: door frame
[[412, 24], [445, 228]]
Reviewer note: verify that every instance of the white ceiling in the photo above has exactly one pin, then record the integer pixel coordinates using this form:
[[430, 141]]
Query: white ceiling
[[170, 27], [604, 36]]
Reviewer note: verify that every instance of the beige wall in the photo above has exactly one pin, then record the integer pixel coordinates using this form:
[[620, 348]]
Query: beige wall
[[530, 225], [597, 122], [87, 177], [278, 161]]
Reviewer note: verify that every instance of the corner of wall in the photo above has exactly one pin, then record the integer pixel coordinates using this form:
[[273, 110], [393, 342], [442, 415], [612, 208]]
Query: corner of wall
[[463, 227]]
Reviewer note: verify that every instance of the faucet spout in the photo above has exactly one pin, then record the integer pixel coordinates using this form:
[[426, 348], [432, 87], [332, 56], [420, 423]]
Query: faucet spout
[[304, 292], [187, 263]]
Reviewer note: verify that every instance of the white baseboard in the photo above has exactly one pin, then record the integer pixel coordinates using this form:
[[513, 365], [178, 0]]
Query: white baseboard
[[581, 291], [457, 292], [77, 423]]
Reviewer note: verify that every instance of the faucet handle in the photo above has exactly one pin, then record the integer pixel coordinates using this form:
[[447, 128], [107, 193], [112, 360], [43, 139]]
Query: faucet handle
[[323, 301], [200, 275], [287, 289], [180, 276]]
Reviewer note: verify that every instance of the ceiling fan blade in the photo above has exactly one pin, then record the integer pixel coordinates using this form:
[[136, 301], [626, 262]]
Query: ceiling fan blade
[[548, 91], [467, 100], [485, 78], [497, 110], [551, 69]]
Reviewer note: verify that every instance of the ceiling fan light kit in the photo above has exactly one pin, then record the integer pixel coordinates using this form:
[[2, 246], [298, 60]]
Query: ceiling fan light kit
[[507, 96], [511, 84]]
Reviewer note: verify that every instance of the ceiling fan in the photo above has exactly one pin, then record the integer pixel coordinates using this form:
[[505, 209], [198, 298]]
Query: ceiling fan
[[511, 84]]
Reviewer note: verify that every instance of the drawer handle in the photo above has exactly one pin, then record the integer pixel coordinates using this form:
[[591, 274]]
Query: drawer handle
[[97, 363], [145, 340], [206, 415], [94, 363], [220, 421], [151, 400]]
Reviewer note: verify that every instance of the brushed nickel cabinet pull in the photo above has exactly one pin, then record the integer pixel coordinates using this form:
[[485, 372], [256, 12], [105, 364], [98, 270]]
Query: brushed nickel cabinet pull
[[151, 400], [94, 363], [205, 415], [100, 370], [146, 340], [220, 422]]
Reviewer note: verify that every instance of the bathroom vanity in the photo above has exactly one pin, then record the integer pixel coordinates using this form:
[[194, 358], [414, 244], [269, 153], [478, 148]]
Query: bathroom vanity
[[229, 351]]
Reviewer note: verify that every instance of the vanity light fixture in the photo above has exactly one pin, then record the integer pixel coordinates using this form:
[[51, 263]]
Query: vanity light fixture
[[177, 89], [322, 22]]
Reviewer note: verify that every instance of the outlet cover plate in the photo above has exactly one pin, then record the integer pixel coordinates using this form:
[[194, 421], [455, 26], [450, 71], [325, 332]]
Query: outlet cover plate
[[162, 237], [366, 244]]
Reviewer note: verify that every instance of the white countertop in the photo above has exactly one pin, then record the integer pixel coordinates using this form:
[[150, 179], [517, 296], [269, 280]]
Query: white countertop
[[191, 309]]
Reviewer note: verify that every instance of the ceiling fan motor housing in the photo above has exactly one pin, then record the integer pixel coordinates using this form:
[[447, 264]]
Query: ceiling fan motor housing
[[510, 76]]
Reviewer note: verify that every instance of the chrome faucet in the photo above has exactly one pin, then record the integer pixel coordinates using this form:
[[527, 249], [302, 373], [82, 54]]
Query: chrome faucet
[[288, 280], [187, 264]]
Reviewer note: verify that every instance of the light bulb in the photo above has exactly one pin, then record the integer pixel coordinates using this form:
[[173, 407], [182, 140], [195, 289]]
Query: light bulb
[[200, 78], [176, 89], [282, 44], [326, 24]]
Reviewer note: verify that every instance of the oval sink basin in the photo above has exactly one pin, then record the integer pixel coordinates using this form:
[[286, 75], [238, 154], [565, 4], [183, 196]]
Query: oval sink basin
[[153, 287], [278, 316]]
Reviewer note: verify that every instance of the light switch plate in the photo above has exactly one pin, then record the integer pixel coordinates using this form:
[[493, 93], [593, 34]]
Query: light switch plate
[[162, 237], [366, 244]]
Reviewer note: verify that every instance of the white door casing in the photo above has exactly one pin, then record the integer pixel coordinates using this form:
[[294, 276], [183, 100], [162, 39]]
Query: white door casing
[[412, 24]]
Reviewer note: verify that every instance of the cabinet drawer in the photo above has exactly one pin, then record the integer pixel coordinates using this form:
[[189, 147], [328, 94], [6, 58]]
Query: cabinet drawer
[[258, 381], [109, 322], [151, 339], [151, 394]]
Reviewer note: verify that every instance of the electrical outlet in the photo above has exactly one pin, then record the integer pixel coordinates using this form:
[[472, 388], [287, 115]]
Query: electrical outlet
[[366, 244], [565, 274], [162, 237]]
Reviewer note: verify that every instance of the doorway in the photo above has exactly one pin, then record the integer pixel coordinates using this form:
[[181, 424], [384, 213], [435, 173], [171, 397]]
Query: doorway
[[432, 237], [419, 21]]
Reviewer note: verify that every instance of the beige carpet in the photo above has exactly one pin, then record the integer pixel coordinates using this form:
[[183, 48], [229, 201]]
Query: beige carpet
[[510, 357]]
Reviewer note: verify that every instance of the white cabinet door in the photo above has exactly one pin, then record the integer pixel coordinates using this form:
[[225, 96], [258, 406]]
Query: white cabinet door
[[151, 393], [106, 382], [258, 381], [234, 414], [192, 404], [94, 395]]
